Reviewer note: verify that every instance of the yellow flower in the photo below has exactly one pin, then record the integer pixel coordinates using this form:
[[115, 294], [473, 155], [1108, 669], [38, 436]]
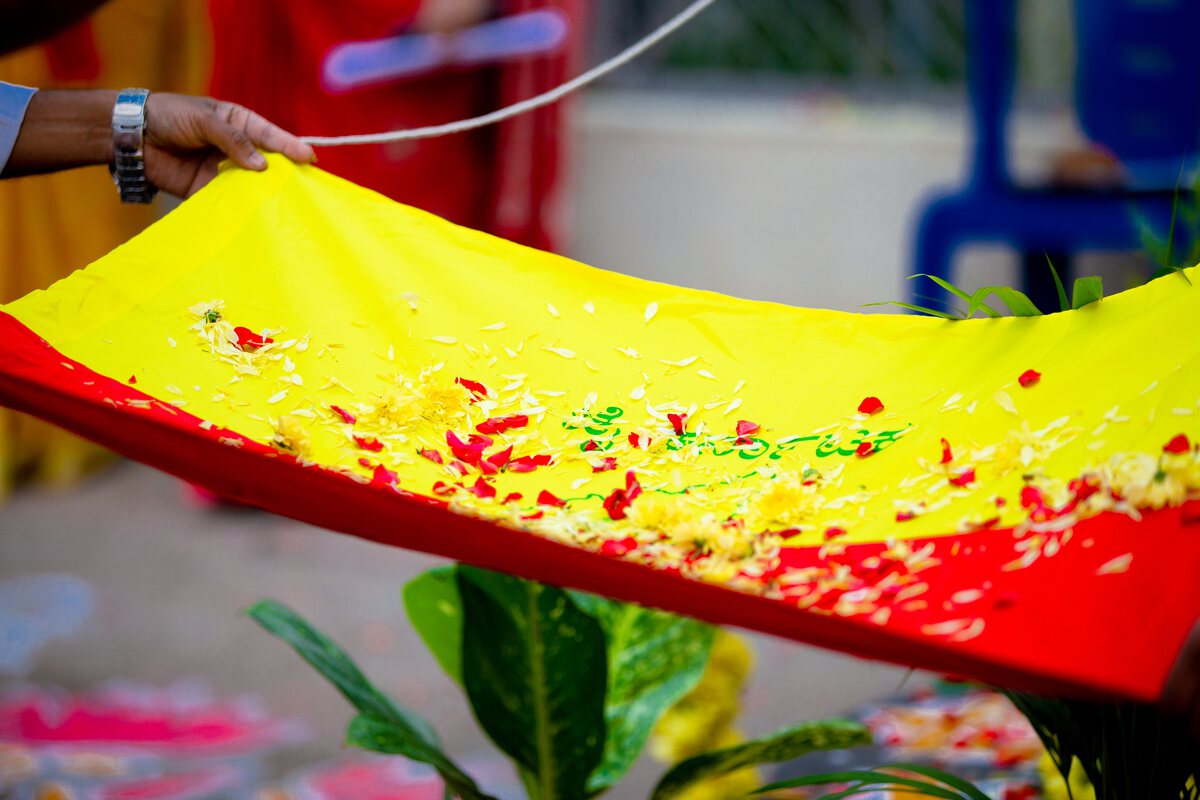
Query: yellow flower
[[786, 502], [659, 512], [1142, 481], [704, 716], [425, 399], [290, 436]]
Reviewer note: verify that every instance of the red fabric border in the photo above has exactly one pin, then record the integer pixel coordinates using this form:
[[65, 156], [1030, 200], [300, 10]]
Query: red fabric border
[[1066, 631]]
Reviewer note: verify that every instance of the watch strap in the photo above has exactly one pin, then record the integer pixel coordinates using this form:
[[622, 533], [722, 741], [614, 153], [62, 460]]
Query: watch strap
[[129, 133]]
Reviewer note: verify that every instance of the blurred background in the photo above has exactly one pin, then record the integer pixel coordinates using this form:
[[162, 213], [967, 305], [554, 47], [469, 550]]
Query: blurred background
[[784, 150]]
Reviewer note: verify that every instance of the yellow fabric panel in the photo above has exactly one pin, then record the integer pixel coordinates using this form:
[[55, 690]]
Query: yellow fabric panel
[[313, 259]]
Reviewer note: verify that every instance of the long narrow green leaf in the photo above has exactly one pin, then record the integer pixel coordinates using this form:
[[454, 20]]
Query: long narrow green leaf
[[1063, 303], [781, 745], [867, 780], [966, 787], [1018, 302], [929, 312], [1087, 290], [385, 721], [945, 284]]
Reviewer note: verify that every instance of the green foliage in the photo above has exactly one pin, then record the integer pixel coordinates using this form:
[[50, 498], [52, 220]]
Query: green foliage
[[1085, 291], [654, 659], [782, 745], [1162, 249], [380, 724], [1126, 750], [569, 685], [534, 669], [890, 777], [434, 608]]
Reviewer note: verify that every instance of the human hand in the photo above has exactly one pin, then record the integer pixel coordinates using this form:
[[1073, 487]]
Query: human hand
[[447, 16], [186, 137], [1181, 696]]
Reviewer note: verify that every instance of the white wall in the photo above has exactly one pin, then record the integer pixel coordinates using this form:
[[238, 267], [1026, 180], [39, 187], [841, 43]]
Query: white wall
[[806, 200]]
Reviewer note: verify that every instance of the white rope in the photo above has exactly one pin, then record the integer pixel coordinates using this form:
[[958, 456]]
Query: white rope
[[545, 99]]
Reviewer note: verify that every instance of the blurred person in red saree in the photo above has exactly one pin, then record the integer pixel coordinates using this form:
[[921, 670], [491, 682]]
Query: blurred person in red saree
[[273, 56]]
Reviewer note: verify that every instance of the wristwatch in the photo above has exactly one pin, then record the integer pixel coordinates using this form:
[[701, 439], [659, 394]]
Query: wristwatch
[[129, 132]]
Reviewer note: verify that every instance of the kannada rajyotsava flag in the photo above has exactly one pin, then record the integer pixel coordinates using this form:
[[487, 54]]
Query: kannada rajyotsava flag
[[1005, 499]]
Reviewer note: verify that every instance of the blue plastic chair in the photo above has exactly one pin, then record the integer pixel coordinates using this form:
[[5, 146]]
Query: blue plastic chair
[[1137, 94]]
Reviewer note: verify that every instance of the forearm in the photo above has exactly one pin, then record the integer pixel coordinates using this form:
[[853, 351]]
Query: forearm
[[30, 21], [63, 129]]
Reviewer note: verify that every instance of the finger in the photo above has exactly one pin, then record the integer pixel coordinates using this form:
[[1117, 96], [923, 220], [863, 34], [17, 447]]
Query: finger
[[218, 127], [205, 173], [274, 139]]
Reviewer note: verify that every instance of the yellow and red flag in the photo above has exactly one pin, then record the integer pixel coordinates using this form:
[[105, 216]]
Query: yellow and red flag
[[1008, 499]]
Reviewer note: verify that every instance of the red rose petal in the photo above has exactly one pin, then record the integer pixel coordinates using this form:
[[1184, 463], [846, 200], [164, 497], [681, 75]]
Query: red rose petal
[[474, 387], [487, 467], [500, 459], [834, 532], [482, 489], [1032, 498], [133, 378], [433, 455], [947, 453], [605, 465], [618, 547], [498, 425], [469, 451], [964, 478], [678, 422], [366, 462], [368, 443], [249, 340], [534, 515], [344, 414], [904, 516], [1029, 377], [640, 442], [443, 488], [511, 497], [870, 405], [384, 476], [1178, 444], [747, 428], [864, 449], [459, 467], [545, 498], [590, 445]]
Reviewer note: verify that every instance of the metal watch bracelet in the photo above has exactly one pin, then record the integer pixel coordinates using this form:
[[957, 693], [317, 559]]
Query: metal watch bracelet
[[129, 133]]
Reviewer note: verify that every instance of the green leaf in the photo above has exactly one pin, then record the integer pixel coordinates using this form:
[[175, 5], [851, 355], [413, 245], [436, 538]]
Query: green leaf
[[1087, 290], [434, 608], [782, 745], [947, 285], [967, 788], [1018, 302], [654, 659], [929, 312], [1063, 305], [864, 781], [383, 736], [402, 728], [535, 671]]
